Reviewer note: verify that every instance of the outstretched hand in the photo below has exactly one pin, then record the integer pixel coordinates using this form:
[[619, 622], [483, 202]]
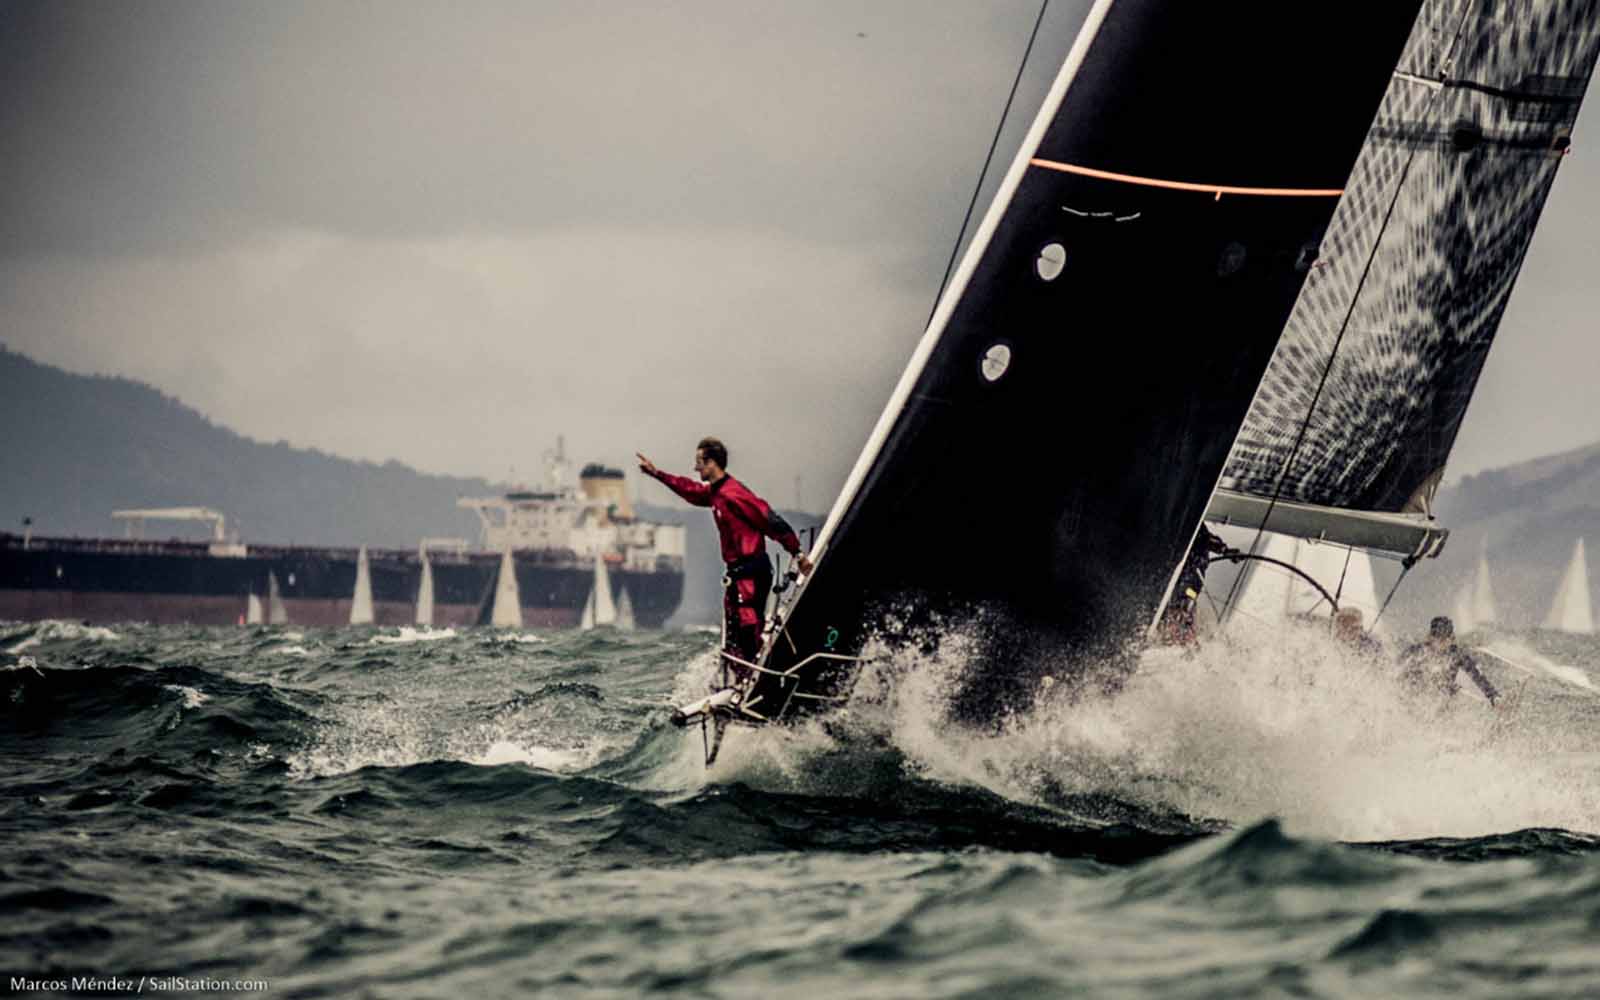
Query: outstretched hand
[[805, 563], [645, 465]]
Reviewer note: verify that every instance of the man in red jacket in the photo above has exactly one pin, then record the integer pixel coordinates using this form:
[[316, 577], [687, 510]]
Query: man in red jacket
[[744, 522]]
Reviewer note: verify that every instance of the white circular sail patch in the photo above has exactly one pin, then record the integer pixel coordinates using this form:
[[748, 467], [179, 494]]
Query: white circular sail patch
[[995, 362], [1051, 260]]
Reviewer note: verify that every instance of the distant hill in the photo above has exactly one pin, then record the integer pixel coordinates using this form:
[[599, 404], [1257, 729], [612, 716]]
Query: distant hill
[[1526, 517], [80, 446]]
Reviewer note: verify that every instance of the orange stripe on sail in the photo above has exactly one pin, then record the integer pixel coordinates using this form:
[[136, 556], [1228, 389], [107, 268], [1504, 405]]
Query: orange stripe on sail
[[1213, 189]]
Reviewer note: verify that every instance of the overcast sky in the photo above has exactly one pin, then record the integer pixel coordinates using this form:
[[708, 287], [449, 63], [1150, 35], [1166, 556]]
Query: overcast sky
[[445, 233]]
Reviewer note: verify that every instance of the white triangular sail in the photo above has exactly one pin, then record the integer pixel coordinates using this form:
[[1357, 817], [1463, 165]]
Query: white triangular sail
[[1347, 575], [1272, 595], [1483, 604], [1571, 610], [425, 592], [1264, 597], [605, 609], [1465, 620], [252, 610], [586, 621], [625, 611], [277, 614], [507, 611], [361, 599]]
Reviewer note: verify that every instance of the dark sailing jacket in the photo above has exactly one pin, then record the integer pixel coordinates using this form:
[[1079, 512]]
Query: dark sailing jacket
[[742, 517], [1421, 666]]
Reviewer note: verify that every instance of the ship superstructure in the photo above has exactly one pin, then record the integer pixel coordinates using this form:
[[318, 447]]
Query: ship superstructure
[[541, 555]]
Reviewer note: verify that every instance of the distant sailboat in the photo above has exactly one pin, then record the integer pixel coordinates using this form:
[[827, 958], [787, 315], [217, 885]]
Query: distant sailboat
[[1475, 604], [361, 600], [277, 614], [252, 613], [507, 611], [625, 611], [600, 610], [425, 592], [1571, 610]]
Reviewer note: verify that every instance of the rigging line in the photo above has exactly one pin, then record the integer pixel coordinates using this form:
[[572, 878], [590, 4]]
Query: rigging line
[[1405, 568], [1355, 299], [1339, 591], [994, 143]]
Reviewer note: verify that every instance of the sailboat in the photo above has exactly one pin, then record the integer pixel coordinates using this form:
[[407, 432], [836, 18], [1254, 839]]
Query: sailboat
[[277, 614], [1061, 424], [425, 592], [625, 620], [600, 610], [1571, 610], [361, 597], [506, 612]]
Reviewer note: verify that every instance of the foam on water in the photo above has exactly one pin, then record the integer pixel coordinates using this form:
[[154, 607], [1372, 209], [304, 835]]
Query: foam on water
[[51, 631], [544, 758], [407, 635], [1520, 656], [1300, 729], [515, 638], [192, 697]]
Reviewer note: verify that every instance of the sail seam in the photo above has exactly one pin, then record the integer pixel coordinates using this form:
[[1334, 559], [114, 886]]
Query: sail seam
[[1214, 189]]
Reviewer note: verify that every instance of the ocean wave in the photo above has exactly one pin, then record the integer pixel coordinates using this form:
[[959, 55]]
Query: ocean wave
[[60, 631], [407, 635], [192, 697], [515, 638]]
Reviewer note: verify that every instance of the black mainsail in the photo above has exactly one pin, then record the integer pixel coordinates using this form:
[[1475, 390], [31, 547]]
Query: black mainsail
[[1046, 459], [1348, 436]]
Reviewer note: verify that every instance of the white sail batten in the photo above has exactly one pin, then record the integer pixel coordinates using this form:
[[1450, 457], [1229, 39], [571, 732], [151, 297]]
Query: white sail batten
[[1571, 611]]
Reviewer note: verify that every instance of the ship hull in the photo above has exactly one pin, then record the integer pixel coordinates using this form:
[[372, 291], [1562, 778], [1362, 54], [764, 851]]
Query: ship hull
[[107, 581]]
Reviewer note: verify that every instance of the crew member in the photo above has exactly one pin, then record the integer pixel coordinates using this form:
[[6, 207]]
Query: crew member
[[744, 522], [1178, 624], [1349, 628], [1434, 663]]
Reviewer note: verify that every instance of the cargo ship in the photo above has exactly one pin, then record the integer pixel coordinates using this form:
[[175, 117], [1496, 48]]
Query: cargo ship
[[555, 557]]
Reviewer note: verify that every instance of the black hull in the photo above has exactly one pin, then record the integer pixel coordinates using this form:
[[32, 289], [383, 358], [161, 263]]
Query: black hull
[[107, 581], [1045, 512]]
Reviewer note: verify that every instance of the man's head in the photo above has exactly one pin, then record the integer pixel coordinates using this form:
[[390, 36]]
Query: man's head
[[710, 459], [1441, 630], [1347, 624]]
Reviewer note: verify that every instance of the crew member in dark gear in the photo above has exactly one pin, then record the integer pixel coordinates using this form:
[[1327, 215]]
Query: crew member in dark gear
[[1432, 665], [744, 522], [1178, 621]]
